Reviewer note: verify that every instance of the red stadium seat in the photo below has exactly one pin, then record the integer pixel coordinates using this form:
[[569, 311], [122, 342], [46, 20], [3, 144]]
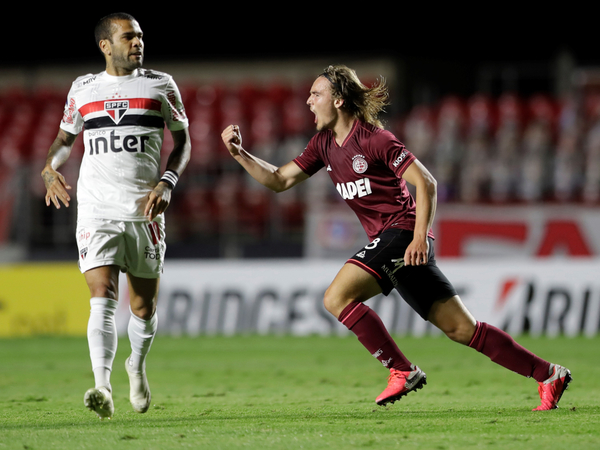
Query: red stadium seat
[[481, 113], [510, 110]]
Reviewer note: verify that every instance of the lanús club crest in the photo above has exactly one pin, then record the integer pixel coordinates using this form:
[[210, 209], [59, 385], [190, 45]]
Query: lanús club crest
[[359, 164]]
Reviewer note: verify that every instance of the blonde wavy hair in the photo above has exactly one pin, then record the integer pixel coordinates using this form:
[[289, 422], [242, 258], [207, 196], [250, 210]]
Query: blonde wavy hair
[[362, 102]]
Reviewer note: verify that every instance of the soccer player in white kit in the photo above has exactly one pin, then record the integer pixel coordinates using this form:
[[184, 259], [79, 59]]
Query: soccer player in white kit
[[121, 196]]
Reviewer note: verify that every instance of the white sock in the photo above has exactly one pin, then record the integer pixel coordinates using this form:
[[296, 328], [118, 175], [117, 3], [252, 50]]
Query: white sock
[[141, 334], [102, 338]]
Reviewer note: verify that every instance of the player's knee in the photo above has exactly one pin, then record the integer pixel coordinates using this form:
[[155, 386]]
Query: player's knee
[[461, 333], [333, 303], [328, 301], [104, 290], [144, 312]]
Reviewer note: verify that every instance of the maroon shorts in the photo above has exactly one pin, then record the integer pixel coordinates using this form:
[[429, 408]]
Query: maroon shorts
[[419, 286]]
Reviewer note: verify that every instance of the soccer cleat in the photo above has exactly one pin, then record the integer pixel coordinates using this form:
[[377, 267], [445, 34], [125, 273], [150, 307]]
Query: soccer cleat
[[139, 391], [401, 383], [100, 401], [551, 390]]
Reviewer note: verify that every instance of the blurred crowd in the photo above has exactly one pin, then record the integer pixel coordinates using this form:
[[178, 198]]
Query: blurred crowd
[[480, 149], [509, 149]]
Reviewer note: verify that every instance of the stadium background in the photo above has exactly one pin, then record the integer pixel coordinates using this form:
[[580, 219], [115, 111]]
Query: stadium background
[[505, 116]]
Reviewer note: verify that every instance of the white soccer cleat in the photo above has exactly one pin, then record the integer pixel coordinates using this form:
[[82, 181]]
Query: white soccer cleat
[[100, 401], [139, 391]]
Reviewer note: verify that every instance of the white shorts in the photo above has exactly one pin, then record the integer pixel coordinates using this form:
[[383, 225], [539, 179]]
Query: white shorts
[[136, 247]]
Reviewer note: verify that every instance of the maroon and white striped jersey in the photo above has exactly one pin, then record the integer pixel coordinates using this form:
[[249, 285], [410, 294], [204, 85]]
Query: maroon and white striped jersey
[[367, 172], [123, 120]]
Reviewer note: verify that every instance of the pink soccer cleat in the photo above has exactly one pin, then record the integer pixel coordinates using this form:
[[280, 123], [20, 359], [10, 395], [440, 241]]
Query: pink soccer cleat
[[401, 383], [551, 390]]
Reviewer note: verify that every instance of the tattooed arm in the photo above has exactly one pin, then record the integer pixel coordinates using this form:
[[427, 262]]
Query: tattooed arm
[[56, 185]]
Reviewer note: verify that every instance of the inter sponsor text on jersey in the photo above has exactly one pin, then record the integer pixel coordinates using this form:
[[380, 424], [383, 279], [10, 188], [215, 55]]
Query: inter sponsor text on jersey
[[367, 173], [122, 119]]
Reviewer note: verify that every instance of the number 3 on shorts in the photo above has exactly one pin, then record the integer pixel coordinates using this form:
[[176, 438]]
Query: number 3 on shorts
[[373, 244]]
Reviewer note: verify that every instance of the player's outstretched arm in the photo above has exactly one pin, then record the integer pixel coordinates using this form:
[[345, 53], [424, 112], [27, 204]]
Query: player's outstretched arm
[[56, 185], [278, 179]]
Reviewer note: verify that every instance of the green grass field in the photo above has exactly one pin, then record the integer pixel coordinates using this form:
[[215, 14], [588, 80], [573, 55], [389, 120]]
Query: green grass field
[[290, 393]]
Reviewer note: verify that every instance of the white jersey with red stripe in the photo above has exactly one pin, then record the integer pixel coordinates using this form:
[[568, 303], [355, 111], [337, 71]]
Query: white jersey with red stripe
[[122, 119]]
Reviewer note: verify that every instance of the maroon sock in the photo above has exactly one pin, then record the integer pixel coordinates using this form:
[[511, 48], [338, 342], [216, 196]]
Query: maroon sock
[[371, 332], [501, 348]]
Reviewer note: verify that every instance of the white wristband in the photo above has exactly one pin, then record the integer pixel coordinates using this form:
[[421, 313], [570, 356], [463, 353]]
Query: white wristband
[[170, 177]]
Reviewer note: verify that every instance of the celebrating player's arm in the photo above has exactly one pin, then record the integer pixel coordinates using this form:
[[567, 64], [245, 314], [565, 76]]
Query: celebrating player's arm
[[160, 197], [56, 185], [426, 199], [277, 179]]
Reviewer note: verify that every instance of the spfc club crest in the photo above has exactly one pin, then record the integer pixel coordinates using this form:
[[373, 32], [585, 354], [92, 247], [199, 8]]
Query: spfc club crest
[[116, 109]]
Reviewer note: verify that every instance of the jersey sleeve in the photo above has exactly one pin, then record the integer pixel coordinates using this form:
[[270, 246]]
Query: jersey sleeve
[[310, 160], [393, 152], [173, 110], [72, 121]]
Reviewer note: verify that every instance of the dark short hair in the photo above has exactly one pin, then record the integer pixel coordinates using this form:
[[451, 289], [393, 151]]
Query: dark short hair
[[104, 27]]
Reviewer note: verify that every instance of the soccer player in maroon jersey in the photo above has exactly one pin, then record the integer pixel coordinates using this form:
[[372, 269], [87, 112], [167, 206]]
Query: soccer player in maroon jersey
[[370, 168]]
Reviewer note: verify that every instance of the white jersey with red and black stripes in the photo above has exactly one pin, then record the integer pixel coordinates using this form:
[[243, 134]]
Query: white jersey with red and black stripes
[[122, 119]]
